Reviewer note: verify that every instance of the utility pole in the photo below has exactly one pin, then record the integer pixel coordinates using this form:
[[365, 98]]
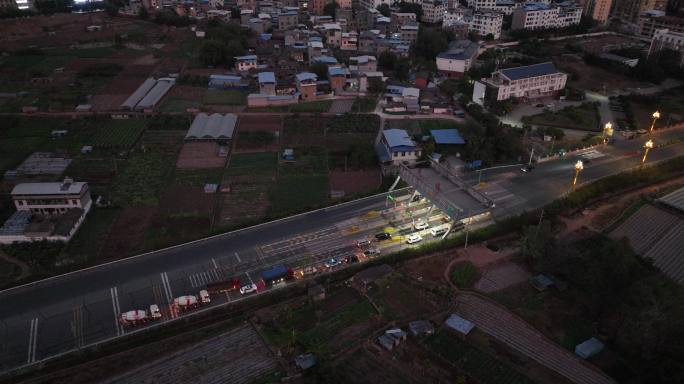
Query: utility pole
[[531, 154]]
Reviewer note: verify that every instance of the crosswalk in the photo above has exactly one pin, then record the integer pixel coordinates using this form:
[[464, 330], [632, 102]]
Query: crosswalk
[[203, 278], [502, 197], [592, 154]]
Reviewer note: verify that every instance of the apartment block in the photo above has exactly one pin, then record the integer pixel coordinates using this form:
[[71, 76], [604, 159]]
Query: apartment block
[[531, 81], [543, 16]]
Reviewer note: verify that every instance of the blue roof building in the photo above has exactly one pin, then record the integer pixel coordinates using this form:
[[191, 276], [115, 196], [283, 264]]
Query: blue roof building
[[396, 147], [447, 136]]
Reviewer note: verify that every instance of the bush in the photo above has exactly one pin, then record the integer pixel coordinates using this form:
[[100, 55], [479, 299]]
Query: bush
[[465, 275]]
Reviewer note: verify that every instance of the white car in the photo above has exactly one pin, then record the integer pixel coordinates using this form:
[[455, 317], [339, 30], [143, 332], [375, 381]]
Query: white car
[[249, 288], [415, 238], [420, 225], [155, 313], [204, 297], [334, 262]]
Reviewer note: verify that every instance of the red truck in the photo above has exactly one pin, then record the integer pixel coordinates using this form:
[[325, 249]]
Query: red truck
[[223, 286]]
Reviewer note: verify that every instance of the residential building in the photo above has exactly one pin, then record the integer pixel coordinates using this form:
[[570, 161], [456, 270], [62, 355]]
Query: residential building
[[651, 21], [433, 11], [398, 19], [316, 7], [531, 81], [245, 63], [315, 50], [598, 10], [373, 4], [411, 97], [363, 64], [505, 6], [367, 42], [631, 10], [337, 77], [543, 16], [288, 20], [396, 147], [486, 22], [306, 85], [51, 198], [458, 59], [267, 83], [409, 32], [665, 39], [454, 16], [349, 41], [332, 33]]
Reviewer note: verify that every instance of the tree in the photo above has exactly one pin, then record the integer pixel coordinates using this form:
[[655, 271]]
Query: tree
[[212, 53], [329, 9], [234, 48], [384, 9], [449, 87], [387, 60], [143, 13], [111, 8], [489, 36], [235, 13], [401, 69], [376, 86], [320, 69], [536, 242], [416, 8], [430, 43]]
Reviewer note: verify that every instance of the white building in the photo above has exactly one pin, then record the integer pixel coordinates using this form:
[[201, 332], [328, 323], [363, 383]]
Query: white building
[[543, 16], [458, 59], [666, 39], [433, 11], [245, 63], [396, 147], [505, 6], [531, 81], [373, 4], [481, 22], [51, 198]]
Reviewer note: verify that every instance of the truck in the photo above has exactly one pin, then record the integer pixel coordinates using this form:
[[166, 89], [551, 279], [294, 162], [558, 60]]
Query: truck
[[223, 286], [185, 303], [134, 317], [276, 274]]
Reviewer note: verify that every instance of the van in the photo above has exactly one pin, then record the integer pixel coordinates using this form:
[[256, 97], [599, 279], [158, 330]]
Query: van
[[204, 296], [438, 231]]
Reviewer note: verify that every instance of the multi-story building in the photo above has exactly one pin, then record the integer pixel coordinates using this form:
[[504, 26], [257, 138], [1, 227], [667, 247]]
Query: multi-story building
[[337, 76], [306, 85], [666, 39], [531, 81], [363, 63], [598, 10], [349, 41], [396, 147], [287, 20], [630, 10], [21, 4], [486, 23], [409, 32], [398, 19], [368, 42], [51, 198], [373, 4], [458, 59], [433, 11], [651, 21], [267, 83], [316, 7], [245, 63], [332, 33], [504, 6], [543, 16], [455, 16], [315, 50]]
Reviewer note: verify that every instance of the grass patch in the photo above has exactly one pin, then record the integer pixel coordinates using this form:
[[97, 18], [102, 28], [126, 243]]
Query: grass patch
[[353, 123], [364, 104], [117, 133], [225, 97], [177, 104], [142, 179], [317, 338], [296, 193], [583, 117], [198, 177], [259, 163], [482, 366], [88, 241], [464, 275]]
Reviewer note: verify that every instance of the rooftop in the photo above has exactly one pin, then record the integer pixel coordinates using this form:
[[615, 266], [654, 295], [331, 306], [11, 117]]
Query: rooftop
[[58, 188], [529, 71], [212, 127], [304, 76], [447, 136], [266, 77], [397, 138], [674, 199], [459, 324], [246, 58], [460, 50]]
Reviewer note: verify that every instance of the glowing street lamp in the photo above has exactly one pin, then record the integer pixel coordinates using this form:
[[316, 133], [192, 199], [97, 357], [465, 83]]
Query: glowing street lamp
[[656, 116], [579, 166], [607, 132], [647, 146]]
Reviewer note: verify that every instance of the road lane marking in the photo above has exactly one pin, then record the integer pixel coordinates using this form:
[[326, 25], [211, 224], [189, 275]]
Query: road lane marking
[[169, 294], [238, 257], [117, 310], [77, 326], [249, 277], [192, 281], [214, 273], [33, 339], [213, 261]]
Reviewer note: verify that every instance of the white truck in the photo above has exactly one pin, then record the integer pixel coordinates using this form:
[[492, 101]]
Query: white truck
[[140, 316], [185, 303]]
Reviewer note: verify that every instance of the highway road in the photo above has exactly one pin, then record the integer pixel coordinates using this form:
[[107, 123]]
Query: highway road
[[77, 309]]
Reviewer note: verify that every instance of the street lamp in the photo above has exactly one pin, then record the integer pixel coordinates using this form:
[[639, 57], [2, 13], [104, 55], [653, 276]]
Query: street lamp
[[607, 132], [579, 166], [647, 146], [656, 116]]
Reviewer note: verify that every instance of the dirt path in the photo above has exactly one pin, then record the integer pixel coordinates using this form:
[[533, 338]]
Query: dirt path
[[511, 330], [25, 269]]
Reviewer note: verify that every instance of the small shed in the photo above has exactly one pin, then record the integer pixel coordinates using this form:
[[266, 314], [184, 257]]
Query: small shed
[[86, 149], [421, 328], [59, 133], [210, 188], [397, 333], [387, 342], [589, 348], [459, 324], [305, 361], [288, 154], [541, 282], [447, 137]]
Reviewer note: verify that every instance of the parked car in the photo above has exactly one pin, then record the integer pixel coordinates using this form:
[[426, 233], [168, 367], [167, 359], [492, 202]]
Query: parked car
[[371, 252], [332, 263], [527, 168], [420, 225], [249, 288], [415, 238], [383, 236]]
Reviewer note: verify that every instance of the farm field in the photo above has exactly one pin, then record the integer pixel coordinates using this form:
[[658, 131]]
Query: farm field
[[214, 97]]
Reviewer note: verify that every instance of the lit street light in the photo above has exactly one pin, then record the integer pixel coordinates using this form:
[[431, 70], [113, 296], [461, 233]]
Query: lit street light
[[607, 132], [647, 146], [579, 166], [656, 116]]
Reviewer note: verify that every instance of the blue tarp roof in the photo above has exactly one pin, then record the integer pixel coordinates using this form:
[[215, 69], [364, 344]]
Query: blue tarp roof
[[306, 76], [398, 138], [267, 77], [383, 155], [589, 348], [247, 57], [337, 71], [326, 59], [528, 71], [265, 36], [447, 136], [459, 324]]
